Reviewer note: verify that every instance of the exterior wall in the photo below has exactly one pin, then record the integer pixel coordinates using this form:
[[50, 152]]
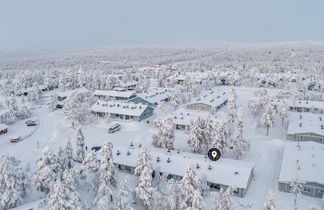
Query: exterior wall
[[199, 106], [306, 137], [147, 113], [309, 189]]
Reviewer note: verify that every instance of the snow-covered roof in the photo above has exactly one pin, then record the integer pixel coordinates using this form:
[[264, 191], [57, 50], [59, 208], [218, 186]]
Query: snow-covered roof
[[119, 108], [113, 93], [310, 157], [225, 171], [301, 103], [306, 123], [313, 79], [155, 95], [3, 126], [212, 98], [126, 83], [184, 116], [67, 93]]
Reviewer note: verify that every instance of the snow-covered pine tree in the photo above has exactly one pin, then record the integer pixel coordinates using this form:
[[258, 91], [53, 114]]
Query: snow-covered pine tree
[[121, 201], [90, 172], [267, 118], [80, 150], [159, 201], [188, 185], [197, 201], [219, 137], [227, 200], [47, 170], [13, 182], [270, 203], [217, 201], [165, 136], [173, 200], [231, 104], [107, 170], [144, 190], [34, 94], [65, 157], [199, 135], [203, 185], [107, 178], [283, 110], [241, 145]]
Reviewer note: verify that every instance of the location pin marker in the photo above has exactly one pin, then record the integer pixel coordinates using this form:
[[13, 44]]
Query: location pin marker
[[214, 154]]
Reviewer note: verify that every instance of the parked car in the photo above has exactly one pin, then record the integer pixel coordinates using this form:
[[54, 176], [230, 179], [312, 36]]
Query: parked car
[[15, 139], [96, 148], [31, 123], [114, 128]]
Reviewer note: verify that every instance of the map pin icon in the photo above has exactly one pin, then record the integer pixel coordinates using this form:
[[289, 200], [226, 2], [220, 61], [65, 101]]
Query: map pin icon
[[214, 154]]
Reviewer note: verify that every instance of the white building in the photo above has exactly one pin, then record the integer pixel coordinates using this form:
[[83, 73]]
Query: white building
[[182, 118], [114, 95], [152, 97], [306, 127], [301, 105], [122, 110], [305, 161], [313, 82], [219, 174], [209, 101]]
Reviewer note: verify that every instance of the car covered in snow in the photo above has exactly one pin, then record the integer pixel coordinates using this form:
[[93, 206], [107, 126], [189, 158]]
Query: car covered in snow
[[31, 122], [15, 139], [114, 128]]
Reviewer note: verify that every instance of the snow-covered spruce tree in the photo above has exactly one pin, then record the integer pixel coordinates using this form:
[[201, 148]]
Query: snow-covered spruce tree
[[13, 182], [63, 194], [159, 201], [270, 203], [241, 145], [231, 104], [121, 201], [227, 200], [34, 94], [90, 172], [53, 103], [80, 150], [283, 110], [217, 201], [199, 135], [107, 178], [47, 170], [197, 201], [159, 114], [219, 137], [165, 136], [267, 118], [144, 190], [75, 110], [203, 185], [188, 189], [173, 200], [65, 157], [314, 207]]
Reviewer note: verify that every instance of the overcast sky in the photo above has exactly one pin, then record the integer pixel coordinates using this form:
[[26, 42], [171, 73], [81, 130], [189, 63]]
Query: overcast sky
[[74, 24]]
